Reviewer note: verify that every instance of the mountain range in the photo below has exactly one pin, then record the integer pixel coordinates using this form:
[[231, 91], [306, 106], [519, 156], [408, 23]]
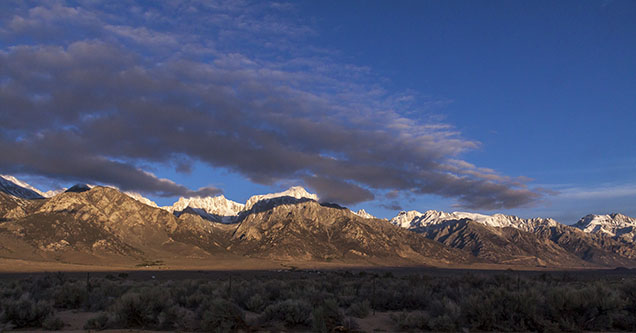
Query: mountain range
[[93, 225]]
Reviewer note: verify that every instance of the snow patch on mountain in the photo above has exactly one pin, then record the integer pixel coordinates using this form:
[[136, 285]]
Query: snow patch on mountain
[[363, 213], [297, 192], [141, 199], [221, 209], [212, 208], [52, 193], [415, 220], [17, 188], [615, 225]]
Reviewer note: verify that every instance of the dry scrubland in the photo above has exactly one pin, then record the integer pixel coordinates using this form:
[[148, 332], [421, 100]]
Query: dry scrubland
[[321, 301]]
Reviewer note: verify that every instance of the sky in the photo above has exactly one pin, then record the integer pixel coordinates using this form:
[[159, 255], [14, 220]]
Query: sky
[[524, 108]]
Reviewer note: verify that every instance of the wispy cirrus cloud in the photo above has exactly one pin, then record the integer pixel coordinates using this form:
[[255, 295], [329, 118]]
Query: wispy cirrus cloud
[[203, 81], [606, 191]]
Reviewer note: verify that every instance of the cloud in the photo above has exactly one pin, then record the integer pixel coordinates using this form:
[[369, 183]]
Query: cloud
[[98, 106], [600, 192], [60, 157], [393, 194], [335, 190], [392, 206]]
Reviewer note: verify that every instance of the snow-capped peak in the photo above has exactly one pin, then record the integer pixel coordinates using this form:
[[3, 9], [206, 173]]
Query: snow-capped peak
[[17, 188], [141, 199], [52, 193], [363, 213], [432, 218], [223, 210], [216, 208], [611, 224], [297, 192], [78, 188], [404, 218]]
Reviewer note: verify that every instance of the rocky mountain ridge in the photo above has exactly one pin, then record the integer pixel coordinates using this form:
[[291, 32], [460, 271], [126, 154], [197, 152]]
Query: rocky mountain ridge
[[102, 222], [414, 220], [614, 225], [89, 223]]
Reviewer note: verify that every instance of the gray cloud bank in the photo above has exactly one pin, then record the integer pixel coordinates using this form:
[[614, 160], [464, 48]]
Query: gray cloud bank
[[96, 106]]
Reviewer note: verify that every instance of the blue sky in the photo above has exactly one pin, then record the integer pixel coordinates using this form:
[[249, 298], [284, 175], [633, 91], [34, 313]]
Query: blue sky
[[524, 108]]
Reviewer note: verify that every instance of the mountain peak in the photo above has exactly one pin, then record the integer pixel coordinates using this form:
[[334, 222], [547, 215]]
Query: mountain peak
[[216, 208], [615, 224], [363, 213], [17, 188], [416, 221], [78, 188], [297, 192], [141, 198]]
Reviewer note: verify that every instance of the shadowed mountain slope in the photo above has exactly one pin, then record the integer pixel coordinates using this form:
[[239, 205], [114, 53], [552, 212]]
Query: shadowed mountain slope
[[102, 224], [599, 249], [311, 231], [506, 245]]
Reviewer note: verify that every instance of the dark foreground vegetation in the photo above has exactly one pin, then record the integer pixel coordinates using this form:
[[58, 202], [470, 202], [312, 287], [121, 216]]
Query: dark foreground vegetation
[[326, 301]]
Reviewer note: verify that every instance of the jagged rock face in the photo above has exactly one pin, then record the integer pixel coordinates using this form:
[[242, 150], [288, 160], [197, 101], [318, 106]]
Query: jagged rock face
[[617, 226], [217, 209], [295, 192], [57, 233], [104, 222], [522, 241], [79, 188], [363, 213], [12, 186], [311, 231], [43, 232], [111, 215], [141, 199], [417, 221], [100, 221], [506, 245], [209, 236], [220, 209], [12, 207], [595, 248], [129, 220]]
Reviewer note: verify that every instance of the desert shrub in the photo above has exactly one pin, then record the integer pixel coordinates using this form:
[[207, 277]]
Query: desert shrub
[[131, 312], [349, 325], [220, 315], [347, 295], [291, 312], [142, 310], [255, 303], [327, 316], [445, 315], [443, 323], [52, 323], [70, 295], [100, 322], [411, 320], [318, 322], [103, 293], [243, 294], [507, 301], [479, 312], [25, 312], [359, 309], [11, 290], [194, 301], [273, 289], [316, 296], [175, 317]]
